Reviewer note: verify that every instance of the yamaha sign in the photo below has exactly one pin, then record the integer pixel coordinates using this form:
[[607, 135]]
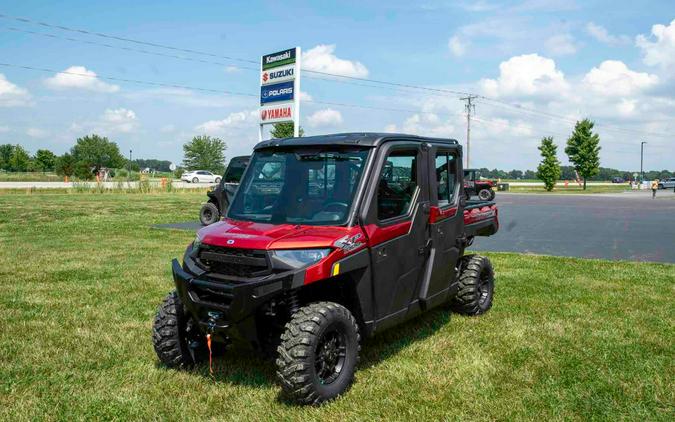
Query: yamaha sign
[[280, 88]]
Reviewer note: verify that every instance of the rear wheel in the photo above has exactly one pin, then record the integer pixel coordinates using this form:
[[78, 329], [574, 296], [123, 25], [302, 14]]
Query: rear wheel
[[195, 180], [209, 214], [476, 286], [318, 353], [176, 336], [661, 186], [485, 194]]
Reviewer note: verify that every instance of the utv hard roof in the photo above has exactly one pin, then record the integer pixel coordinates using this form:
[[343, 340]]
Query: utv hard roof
[[353, 139]]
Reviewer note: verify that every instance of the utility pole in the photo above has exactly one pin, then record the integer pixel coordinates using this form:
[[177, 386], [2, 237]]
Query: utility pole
[[642, 151], [469, 107]]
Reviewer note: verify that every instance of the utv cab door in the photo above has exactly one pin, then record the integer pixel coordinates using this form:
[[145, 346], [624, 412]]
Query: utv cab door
[[446, 224], [396, 222]]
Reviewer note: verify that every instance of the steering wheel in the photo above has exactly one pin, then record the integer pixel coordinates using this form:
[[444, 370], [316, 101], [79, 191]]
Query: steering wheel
[[335, 204]]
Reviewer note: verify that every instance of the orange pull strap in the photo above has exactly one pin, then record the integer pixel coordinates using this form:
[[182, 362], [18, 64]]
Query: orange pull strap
[[208, 344]]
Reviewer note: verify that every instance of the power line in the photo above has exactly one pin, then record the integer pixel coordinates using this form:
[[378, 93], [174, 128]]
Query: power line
[[198, 52], [217, 91]]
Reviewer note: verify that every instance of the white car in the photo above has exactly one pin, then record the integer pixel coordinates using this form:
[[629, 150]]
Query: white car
[[667, 183], [197, 176]]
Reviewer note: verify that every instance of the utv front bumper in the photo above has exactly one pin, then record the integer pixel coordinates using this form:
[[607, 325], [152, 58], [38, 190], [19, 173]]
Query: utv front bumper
[[226, 306]]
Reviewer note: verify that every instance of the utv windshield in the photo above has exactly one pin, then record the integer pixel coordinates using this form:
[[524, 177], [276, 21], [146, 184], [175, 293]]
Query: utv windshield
[[299, 186]]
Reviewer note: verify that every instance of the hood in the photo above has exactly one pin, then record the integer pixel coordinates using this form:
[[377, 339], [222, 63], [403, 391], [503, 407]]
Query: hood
[[253, 235]]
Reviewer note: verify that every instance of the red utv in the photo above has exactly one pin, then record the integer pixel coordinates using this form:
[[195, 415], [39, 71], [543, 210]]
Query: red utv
[[475, 186], [328, 240]]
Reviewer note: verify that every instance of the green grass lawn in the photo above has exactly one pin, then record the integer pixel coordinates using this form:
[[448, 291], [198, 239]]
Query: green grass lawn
[[82, 275]]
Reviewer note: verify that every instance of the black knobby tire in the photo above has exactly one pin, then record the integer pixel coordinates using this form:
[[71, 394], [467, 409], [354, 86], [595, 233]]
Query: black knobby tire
[[175, 336], [476, 286], [318, 353], [485, 194], [209, 214], [493, 194]]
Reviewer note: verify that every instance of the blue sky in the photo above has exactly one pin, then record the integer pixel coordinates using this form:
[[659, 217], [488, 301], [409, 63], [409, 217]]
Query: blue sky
[[539, 64]]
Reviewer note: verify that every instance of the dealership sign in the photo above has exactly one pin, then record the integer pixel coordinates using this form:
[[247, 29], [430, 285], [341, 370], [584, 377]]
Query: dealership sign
[[277, 113], [280, 88], [277, 74], [278, 92]]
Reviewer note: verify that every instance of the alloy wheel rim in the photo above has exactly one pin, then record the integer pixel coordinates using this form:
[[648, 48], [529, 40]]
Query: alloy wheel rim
[[331, 352]]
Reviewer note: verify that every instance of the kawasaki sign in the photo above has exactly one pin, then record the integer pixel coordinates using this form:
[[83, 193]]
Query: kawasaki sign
[[280, 88]]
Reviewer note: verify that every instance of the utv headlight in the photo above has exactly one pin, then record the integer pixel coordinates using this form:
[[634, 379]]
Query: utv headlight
[[197, 243], [298, 258]]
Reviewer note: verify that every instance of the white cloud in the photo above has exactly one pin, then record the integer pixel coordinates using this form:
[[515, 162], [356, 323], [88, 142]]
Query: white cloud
[[561, 45], [79, 77], [233, 120], [232, 69], [614, 78], [427, 124], [457, 46], [119, 120], [304, 96], [662, 50], [11, 95], [34, 132], [324, 118], [322, 59], [526, 75], [601, 34]]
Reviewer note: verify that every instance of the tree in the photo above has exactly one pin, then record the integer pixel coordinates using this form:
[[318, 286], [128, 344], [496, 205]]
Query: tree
[[19, 160], [45, 160], [284, 130], [5, 154], [205, 153], [65, 165], [583, 150], [96, 151], [549, 169]]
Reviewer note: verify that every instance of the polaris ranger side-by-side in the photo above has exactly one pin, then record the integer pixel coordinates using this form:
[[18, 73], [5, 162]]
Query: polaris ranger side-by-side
[[329, 239]]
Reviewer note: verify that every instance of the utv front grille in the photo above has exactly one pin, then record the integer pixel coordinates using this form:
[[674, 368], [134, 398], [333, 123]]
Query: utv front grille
[[244, 263]]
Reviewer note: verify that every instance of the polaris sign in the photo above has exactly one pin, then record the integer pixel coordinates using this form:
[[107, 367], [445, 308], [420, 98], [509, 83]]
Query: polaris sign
[[277, 92], [280, 89]]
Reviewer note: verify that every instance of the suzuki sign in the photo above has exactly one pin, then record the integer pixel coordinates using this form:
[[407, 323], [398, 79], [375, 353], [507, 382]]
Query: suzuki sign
[[280, 89]]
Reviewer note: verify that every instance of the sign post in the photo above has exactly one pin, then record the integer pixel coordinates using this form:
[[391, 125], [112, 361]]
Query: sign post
[[280, 89]]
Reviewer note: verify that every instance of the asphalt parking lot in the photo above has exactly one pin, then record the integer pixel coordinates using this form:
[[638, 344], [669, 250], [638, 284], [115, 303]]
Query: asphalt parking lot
[[622, 226], [619, 226]]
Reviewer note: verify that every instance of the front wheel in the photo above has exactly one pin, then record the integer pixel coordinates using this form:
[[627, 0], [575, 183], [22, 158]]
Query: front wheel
[[209, 214], [175, 335], [318, 353], [661, 186], [195, 180], [476, 286]]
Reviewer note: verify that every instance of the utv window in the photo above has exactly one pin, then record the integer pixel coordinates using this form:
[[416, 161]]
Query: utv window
[[397, 184], [308, 186], [446, 177], [234, 171]]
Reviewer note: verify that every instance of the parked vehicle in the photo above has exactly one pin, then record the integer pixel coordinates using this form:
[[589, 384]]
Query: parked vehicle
[[329, 240], [475, 186], [618, 180], [200, 176], [667, 183], [221, 195]]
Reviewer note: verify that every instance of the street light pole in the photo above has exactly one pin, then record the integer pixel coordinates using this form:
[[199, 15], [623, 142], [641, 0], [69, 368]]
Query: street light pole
[[642, 150], [129, 173]]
